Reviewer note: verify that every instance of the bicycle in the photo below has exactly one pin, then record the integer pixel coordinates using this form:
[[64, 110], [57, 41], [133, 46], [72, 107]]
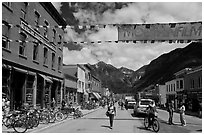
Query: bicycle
[[14, 120], [155, 123]]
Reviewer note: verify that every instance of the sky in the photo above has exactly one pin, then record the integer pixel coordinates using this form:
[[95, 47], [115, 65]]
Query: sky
[[129, 55]]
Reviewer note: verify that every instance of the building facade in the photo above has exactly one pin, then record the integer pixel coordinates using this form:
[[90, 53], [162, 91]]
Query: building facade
[[70, 87], [171, 91], [31, 55], [88, 84], [77, 71], [193, 89], [96, 88]]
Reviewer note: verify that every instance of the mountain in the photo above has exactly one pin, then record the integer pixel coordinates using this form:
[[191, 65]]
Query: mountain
[[117, 80], [160, 70]]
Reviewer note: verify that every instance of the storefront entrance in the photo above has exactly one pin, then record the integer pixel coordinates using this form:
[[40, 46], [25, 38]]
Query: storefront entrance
[[18, 86]]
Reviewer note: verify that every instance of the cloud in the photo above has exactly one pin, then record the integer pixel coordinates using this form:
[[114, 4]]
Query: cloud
[[128, 55]]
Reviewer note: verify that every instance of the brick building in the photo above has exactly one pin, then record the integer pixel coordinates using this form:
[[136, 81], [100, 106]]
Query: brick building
[[31, 66]]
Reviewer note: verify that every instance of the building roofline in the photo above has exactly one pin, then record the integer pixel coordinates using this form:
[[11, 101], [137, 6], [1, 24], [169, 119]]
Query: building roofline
[[54, 13]]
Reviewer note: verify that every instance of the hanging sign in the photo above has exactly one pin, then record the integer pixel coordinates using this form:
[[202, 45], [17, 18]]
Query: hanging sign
[[170, 31]]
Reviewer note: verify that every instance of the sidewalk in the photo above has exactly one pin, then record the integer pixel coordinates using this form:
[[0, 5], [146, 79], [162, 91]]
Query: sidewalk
[[44, 126], [190, 113]]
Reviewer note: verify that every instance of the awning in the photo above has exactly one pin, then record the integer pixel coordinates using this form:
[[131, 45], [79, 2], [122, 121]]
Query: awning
[[98, 95], [95, 95], [46, 78], [20, 70], [6, 66]]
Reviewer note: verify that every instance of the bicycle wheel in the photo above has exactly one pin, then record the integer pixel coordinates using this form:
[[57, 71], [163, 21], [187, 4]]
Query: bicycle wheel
[[20, 126], [146, 122], [52, 117], [44, 118], [59, 116], [155, 125], [35, 122]]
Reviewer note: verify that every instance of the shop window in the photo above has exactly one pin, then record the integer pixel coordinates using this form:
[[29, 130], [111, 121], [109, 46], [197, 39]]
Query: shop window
[[35, 51], [5, 36], [45, 62], [22, 45], [29, 89], [5, 82]]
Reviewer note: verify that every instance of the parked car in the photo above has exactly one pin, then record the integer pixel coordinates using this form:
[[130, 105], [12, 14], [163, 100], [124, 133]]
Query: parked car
[[130, 104], [141, 106]]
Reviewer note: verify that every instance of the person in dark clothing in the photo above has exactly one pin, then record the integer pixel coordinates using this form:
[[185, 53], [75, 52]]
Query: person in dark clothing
[[171, 111], [151, 113], [63, 104], [112, 113]]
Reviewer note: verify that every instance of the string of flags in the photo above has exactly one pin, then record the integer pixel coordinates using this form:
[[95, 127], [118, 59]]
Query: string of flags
[[100, 42], [97, 26], [134, 33]]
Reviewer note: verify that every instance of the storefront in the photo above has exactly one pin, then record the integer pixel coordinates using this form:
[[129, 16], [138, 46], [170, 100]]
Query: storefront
[[70, 95]]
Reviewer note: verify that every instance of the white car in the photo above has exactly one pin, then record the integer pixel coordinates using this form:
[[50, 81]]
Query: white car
[[141, 106], [130, 104]]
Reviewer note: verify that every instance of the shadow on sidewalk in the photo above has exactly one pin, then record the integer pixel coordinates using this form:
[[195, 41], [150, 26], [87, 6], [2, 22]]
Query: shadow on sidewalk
[[105, 126]]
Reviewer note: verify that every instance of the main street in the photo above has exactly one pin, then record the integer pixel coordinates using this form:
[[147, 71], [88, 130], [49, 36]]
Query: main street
[[97, 122]]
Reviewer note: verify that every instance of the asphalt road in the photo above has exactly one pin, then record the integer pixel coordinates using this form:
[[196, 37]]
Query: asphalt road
[[124, 122]]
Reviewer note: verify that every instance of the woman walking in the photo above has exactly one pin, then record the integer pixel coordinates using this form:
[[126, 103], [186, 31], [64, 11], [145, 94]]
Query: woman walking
[[112, 113]]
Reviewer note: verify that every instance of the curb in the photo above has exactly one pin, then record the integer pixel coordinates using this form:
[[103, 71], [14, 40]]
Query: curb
[[54, 124]]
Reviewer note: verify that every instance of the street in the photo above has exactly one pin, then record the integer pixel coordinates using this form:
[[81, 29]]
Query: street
[[124, 122]]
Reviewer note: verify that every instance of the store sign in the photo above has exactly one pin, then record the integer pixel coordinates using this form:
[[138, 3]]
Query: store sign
[[36, 35], [174, 31]]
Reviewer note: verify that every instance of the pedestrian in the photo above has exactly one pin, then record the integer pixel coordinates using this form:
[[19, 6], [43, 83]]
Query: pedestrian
[[63, 104], [182, 114], [171, 111], [53, 103], [112, 113]]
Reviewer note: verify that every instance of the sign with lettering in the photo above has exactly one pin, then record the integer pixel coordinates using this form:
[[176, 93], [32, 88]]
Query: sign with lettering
[[170, 31], [36, 35]]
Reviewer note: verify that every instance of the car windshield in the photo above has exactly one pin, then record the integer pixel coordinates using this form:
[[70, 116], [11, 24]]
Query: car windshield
[[131, 100], [145, 102]]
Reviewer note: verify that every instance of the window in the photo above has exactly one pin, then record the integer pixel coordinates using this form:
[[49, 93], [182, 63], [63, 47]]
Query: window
[[199, 82], [181, 84], [35, 51], [22, 45], [191, 83], [59, 63], [5, 35], [37, 19], [45, 62], [54, 35], [53, 60], [23, 10], [8, 4], [177, 84], [60, 39], [46, 29]]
